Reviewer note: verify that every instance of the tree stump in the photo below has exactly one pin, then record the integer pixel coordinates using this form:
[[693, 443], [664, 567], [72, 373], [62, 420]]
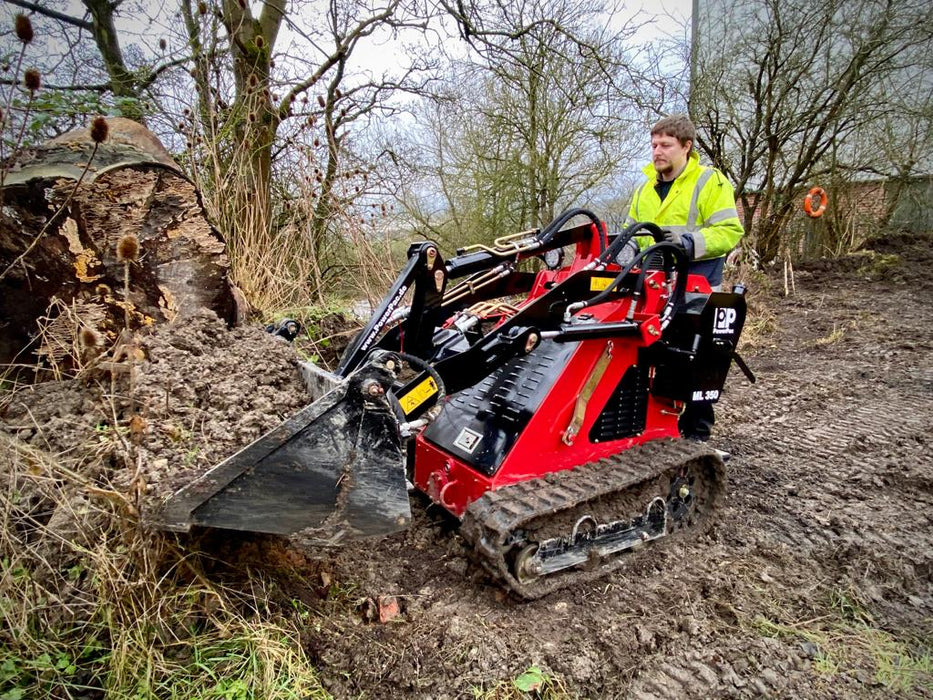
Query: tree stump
[[66, 207]]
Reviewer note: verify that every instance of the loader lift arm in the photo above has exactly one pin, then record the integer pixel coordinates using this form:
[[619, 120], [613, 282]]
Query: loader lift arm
[[427, 275]]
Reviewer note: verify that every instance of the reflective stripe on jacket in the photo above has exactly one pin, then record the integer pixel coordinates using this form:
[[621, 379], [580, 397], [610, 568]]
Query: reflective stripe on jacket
[[701, 203]]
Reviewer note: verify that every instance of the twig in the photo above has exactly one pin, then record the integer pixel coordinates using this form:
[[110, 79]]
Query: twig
[[803, 623]]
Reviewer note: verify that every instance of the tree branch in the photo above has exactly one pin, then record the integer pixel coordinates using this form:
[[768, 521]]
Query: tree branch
[[101, 87], [156, 72], [60, 16]]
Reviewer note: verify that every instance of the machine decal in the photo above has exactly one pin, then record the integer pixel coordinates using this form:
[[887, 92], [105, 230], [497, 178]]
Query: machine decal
[[710, 395], [723, 321], [390, 309], [467, 440], [418, 395], [598, 284]]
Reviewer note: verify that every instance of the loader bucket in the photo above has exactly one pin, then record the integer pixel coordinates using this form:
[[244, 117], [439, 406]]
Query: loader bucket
[[333, 472]]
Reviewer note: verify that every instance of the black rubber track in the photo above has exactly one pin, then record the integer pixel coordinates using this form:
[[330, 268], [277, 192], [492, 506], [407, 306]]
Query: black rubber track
[[549, 506]]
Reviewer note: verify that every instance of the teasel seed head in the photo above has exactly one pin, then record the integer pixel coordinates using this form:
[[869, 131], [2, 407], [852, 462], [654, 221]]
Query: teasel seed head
[[99, 130], [23, 29], [88, 338], [128, 248], [32, 80]]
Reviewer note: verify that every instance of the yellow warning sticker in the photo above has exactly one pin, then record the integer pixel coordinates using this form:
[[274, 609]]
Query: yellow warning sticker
[[417, 396], [598, 284]]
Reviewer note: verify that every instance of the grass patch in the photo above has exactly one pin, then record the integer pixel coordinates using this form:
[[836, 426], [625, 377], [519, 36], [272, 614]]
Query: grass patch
[[836, 335], [247, 660], [326, 330], [846, 638], [878, 266]]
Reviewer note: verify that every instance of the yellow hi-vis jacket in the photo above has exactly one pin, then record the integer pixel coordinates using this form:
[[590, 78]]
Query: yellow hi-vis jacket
[[700, 205]]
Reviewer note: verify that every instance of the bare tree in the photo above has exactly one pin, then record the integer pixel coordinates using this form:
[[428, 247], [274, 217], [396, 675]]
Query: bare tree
[[899, 144], [263, 83], [792, 81], [527, 126], [125, 82], [272, 88]]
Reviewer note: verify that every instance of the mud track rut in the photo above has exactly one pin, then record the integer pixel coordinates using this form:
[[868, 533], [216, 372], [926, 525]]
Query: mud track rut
[[829, 495], [835, 469]]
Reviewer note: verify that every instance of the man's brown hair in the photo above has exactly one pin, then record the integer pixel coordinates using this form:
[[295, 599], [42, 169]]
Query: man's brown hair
[[677, 125]]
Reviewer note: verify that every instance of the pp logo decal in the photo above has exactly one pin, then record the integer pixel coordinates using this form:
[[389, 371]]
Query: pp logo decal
[[723, 321]]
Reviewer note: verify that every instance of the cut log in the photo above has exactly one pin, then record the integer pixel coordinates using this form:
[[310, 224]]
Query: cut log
[[66, 207]]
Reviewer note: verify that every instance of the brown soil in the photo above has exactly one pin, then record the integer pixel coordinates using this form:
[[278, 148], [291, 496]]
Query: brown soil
[[816, 574]]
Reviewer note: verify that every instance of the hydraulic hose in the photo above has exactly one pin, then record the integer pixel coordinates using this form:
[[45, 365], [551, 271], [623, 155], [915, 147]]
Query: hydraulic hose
[[627, 234], [549, 231], [425, 367], [409, 429], [680, 267]]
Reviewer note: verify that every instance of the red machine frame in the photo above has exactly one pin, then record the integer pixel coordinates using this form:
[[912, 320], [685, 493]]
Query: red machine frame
[[541, 448]]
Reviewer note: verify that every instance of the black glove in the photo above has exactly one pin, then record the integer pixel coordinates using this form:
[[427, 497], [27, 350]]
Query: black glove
[[679, 239]]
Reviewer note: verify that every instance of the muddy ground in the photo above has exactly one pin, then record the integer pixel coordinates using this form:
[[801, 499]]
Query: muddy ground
[[824, 544], [815, 581]]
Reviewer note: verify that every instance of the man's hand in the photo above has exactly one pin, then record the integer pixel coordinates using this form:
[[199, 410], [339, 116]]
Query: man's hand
[[684, 241]]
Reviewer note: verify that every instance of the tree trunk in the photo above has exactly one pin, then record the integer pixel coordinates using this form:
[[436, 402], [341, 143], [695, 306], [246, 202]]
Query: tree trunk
[[122, 81], [252, 41], [68, 206]]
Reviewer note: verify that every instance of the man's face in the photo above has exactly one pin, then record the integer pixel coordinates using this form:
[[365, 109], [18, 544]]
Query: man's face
[[668, 156]]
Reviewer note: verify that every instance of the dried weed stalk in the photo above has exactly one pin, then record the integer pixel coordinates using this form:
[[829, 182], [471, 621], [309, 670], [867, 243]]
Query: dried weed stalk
[[67, 340], [761, 320], [311, 251]]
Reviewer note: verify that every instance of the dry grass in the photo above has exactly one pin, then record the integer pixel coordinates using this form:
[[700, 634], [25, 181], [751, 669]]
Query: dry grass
[[761, 319], [835, 335], [845, 638], [293, 252], [91, 602]]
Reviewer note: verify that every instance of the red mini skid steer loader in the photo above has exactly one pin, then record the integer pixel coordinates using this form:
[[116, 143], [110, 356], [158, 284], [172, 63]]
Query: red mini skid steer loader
[[540, 408]]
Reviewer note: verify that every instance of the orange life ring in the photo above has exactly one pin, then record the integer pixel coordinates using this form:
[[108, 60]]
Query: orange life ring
[[810, 198]]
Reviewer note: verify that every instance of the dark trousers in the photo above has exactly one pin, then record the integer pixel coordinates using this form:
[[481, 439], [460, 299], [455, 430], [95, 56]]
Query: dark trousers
[[696, 422]]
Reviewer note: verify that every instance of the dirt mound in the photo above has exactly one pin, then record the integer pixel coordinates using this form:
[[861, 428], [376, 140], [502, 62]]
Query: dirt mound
[[204, 392], [894, 258], [196, 393]]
